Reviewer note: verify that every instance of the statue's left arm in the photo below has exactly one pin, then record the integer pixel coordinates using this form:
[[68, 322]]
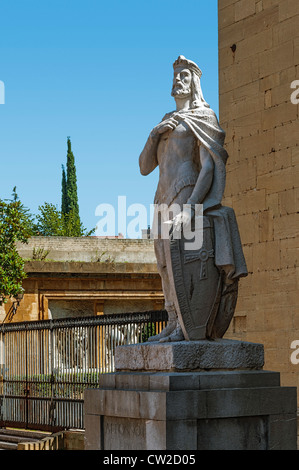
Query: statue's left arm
[[201, 188], [205, 178]]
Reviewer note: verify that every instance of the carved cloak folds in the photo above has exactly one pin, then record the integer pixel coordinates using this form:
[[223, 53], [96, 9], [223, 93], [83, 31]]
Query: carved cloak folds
[[229, 256]]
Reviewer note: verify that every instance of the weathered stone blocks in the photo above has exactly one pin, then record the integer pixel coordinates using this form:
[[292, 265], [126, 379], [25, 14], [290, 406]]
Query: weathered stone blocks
[[190, 355], [211, 409]]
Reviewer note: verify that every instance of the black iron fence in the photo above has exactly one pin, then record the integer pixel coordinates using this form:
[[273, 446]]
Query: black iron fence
[[45, 366]]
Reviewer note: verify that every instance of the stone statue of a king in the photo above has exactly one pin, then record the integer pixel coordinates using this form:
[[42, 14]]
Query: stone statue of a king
[[200, 286]]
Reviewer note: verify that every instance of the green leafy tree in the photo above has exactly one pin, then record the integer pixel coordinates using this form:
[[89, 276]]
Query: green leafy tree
[[15, 225], [52, 222], [49, 221], [25, 214]]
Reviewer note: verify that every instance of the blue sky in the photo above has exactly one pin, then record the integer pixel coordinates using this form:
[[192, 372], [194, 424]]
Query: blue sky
[[100, 73]]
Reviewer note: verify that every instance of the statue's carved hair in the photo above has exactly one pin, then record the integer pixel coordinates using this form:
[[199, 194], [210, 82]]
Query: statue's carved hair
[[197, 95]]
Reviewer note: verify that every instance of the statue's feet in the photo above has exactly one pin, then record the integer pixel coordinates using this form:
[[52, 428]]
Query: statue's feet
[[164, 333], [176, 335]]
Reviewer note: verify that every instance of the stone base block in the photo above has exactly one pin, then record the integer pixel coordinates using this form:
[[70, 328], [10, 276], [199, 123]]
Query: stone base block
[[190, 356], [214, 410]]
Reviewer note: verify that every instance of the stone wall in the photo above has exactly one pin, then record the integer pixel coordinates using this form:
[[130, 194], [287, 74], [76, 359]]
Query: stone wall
[[90, 249], [258, 61], [56, 289]]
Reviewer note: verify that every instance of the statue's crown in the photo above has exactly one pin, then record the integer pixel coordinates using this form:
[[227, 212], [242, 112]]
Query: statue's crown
[[183, 62]]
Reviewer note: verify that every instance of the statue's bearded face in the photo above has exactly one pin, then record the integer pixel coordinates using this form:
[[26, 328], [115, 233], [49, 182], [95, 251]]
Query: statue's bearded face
[[182, 79]]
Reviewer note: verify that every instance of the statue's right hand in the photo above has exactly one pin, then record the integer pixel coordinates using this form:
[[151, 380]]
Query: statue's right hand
[[164, 126]]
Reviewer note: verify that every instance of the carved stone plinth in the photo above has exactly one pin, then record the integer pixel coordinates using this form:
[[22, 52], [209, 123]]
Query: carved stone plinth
[[197, 410], [190, 356]]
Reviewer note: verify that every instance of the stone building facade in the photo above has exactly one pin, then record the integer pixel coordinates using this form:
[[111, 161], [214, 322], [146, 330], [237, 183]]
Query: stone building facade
[[85, 277], [258, 65]]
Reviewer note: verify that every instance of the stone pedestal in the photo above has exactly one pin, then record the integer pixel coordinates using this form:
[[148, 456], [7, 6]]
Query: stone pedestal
[[205, 395], [190, 356]]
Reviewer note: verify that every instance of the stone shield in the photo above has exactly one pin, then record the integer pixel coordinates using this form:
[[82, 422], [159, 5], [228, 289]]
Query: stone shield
[[198, 285]]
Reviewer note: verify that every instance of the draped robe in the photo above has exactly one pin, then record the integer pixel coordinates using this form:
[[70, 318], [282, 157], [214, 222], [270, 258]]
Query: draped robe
[[229, 256]]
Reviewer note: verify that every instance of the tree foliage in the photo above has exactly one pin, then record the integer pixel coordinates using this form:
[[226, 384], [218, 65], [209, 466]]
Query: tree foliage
[[64, 203], [52, 222], [68, 220], [71, 182], [15, 225]]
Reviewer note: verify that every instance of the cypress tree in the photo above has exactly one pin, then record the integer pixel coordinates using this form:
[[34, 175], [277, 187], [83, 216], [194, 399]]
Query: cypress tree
[[71, 183], [64, 202], [66, 222]]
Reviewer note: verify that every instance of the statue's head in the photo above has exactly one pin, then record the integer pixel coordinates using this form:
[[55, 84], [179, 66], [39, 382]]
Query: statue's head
[[186, 82]]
